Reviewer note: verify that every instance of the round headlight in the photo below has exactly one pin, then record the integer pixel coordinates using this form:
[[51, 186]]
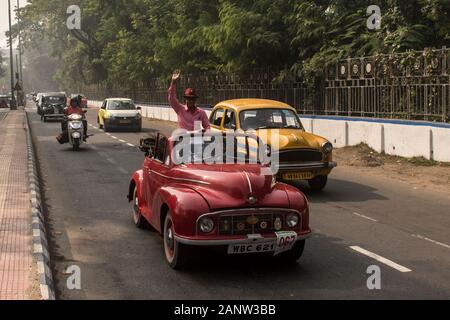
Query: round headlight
[[292, 220], [206, 225], [327, 147]]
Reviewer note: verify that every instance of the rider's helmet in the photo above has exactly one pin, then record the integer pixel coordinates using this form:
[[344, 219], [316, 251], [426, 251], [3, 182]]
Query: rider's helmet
[[76, 101]]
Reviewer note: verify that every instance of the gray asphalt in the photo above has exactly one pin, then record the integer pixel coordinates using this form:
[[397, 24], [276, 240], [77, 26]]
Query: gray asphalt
[[90, 226]]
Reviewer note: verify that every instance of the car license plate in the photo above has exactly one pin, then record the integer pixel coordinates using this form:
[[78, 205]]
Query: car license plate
[[298, 176], [285, 241], [251, 248], [125, 121]]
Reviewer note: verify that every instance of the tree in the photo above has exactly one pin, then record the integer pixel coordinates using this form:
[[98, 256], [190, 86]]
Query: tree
[[2, 69]]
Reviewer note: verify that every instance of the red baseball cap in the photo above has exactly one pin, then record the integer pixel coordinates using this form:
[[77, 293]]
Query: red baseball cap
[[190, 93]]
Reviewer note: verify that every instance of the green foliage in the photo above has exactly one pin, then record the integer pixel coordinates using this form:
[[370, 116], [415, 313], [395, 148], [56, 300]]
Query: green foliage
[[128, 42]]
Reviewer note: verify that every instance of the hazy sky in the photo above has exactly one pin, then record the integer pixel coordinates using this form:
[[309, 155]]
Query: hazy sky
[[4, 18]]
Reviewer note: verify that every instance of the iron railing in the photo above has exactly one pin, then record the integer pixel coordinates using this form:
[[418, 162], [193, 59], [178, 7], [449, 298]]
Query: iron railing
[[412, 85]]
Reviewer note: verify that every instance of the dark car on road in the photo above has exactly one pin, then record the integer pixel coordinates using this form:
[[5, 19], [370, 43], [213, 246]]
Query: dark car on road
[[51, 106]]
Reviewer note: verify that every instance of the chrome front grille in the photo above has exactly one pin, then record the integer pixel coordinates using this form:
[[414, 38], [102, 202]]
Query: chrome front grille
[[253, 222], [300, 155]]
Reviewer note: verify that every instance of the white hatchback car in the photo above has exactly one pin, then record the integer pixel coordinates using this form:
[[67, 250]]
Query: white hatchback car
[[119, 113]]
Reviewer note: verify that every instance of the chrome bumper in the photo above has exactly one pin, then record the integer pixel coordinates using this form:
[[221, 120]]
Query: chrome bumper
[[251, 239], [306, 166]]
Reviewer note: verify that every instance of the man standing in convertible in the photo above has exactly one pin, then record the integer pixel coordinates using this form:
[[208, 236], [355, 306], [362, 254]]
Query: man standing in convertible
[[188, 114]]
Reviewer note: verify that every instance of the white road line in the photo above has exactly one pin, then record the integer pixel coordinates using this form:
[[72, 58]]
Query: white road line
[[122, 170], [364, 217], [431, 240], [131, 145], [381, 259], [114, 137], [123, 141], [111, 160], [108, 134]]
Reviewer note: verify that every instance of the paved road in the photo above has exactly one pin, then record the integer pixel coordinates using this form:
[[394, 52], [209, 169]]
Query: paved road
[[356, 217]]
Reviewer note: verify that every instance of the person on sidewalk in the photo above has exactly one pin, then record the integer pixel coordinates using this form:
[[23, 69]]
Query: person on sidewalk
[[188, 114]]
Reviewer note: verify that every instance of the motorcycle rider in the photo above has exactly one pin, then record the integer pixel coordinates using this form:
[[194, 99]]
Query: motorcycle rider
[[74, 108]]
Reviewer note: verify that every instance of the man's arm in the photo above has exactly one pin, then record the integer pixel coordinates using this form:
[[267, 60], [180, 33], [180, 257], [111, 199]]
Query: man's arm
[[205, 121], [173, 101]]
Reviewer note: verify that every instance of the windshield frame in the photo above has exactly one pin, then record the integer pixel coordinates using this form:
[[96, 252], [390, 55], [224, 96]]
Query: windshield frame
[[249, 150], [242, 112]]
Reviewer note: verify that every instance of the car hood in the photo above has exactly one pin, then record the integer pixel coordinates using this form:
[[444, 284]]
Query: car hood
[[123, 113], [291, 138], [233, 186]]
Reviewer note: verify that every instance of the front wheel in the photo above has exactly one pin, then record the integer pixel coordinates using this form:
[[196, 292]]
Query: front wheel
[[76, 145], [138, 219], [177, 254], [318, 183]]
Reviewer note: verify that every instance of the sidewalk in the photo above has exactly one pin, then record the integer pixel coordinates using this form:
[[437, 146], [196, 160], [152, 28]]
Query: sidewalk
[[18, 277]]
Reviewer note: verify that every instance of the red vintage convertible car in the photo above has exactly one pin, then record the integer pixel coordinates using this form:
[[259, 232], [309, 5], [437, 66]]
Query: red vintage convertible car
[[234, 205]]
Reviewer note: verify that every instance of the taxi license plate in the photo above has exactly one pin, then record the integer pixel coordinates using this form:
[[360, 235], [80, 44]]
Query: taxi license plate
[[125, 121], [298, 176], [284, 242]]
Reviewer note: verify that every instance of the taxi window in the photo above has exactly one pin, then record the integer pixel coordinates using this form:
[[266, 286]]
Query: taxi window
[[230, 120], [216, 118]]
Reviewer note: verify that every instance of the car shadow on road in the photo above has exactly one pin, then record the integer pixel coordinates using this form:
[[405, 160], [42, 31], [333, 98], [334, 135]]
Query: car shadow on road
[[327, 265], [341, 191]]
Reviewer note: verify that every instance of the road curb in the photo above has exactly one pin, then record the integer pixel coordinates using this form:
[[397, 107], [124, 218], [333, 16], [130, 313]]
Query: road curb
[[40, 243]]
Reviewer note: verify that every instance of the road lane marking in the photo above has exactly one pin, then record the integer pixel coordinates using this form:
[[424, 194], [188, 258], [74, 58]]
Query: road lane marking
[[131, 145], [123, 141], [431, 240], [364, 217], [387, 262], [108, 134], [122, 170], [114, 137]]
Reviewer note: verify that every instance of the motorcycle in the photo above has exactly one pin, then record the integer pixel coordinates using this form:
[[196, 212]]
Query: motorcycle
[[75, 130]]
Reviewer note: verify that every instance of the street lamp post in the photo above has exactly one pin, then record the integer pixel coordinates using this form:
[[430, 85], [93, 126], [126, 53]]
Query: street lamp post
[[20, 42], [11, 60]]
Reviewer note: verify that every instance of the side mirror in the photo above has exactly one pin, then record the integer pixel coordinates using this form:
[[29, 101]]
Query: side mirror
[[138, 108], [145, 146], [84, 111]]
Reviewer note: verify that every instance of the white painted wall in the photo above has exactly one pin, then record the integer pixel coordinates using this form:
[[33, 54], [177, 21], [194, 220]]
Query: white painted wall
[[406, 139]]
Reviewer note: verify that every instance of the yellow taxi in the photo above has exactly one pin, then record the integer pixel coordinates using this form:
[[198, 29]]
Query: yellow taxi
[[300, 155]]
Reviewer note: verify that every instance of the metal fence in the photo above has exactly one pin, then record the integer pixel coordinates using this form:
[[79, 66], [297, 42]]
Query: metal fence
[[412, 85]]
